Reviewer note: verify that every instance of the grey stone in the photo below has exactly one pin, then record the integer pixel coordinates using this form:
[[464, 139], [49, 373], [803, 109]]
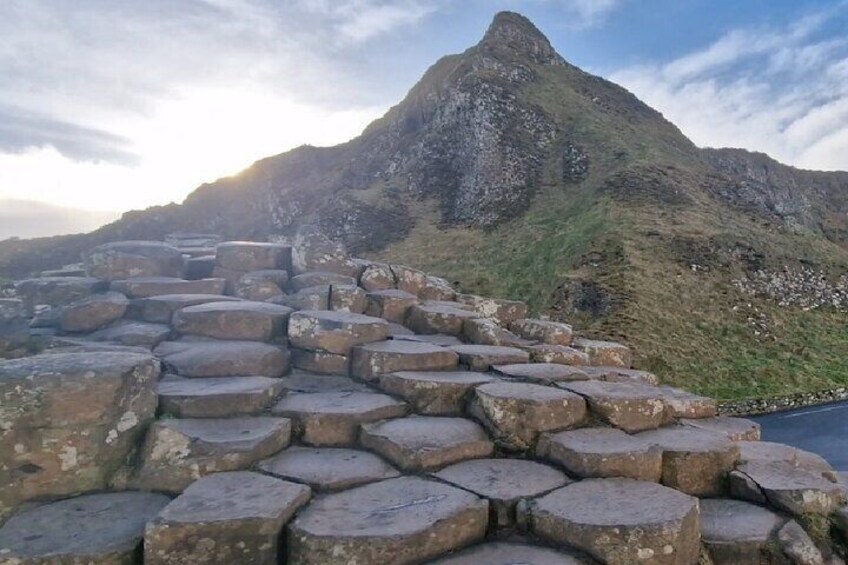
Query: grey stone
[[347, 298], [502, 553], [93, 312], [798, 546], [318, 278], [440, 393], [737, 429], [334, 332], [482, 357], [145, 287], [390, 304], [312, 298], [789, 488], [562, 354], [133, 334], [321, 362], [441, 340], [736, 532], [409, 280], [428, 318], [302, 381], [371, 360], [160, 309], [545, 331], [328, 468], [501, 310], [436, 288], [217, 397], [223, 358], [483, 331], [132, 259], [377, 276], [56, 291], [313, 251], [249, 256], [633, 407], [543, 373], [621, 375], [684, 404], [261, 285], [604, 353], [245, 320]]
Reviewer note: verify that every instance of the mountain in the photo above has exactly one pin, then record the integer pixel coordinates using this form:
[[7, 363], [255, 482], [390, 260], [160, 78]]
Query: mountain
[[28, 218], [514, 173]]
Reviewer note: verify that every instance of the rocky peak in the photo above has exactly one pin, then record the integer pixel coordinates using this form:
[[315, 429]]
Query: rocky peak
[[514, 32]]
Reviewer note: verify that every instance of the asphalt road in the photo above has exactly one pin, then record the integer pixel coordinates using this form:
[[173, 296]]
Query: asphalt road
[[820, 429]]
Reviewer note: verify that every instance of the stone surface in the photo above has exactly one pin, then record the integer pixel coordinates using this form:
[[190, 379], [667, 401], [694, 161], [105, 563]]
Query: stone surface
[[439, 393], [178, 452], [334, 332], [633, 407], [160, 309], [545, 331], [132, 259], [503, 482], [56, 291], [737, 429], [482, 357], [621, 521], [798, 546], [390, 304], [787, 487], [562, 354], [261, 285], [223, 519], [347, 298], [249, 256], [409, 280], [423, 443], [543, 373], [483, 331], [735, 532], [426, 318], [95, 529], [683, 404], [312, 298], [604, 353], [14, 325], [694, 461], [602, 453], [202, 267], [502, 553], [223, 358], [93, 312], [328, 468], [145, 287], [377, 276], [621, 375], [441, 340], [401, 521], [245, 320], [320, 362], [217, 397], [516, 413], [437, 288], [319, 278], [374, 359], [133, 334], [70, 420], [333, 418], [303, 381], [313, 251], [503, 311]]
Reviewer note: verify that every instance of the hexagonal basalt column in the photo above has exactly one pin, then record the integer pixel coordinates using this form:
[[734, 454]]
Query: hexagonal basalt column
[[244, 320], [633, 407], [334, 332], [374, 359], [328, 468], [482, 357], [441, 393], [605, 353]]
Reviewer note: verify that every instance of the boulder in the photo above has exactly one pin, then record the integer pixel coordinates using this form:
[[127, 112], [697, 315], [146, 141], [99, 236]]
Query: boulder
[[392, 305], [93, 312], [160, 309], [321, 362], [145, 287], [482, 357], [244, 320], [437, 393], [621, 521], [545, 331], [132, 259], [516, 413], [333, 418], [376, 277], [542, 373], [223, 358], [56, 291], [246, 256], [504, 483], [319, 278], [561, 354], [402, 521], [313, 251], [604, 353], [70, 421], [217, 397], [328, 468], [502, 311], [133, 334], [633, 407], [428, 318], [334, 332], [371, 360], [423, 443], [241, 513], [178, 452], [95, 529], [602, 453], [736, 532]]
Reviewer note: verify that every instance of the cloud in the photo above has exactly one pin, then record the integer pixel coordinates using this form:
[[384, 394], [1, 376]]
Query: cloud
[[355, 21], [783, 91]]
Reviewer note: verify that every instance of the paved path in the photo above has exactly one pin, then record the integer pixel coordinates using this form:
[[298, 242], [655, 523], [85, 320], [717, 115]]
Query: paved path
[[820, 429]]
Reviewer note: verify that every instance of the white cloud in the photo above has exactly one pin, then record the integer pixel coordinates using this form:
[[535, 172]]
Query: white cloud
[[360, 20], [780, 91]]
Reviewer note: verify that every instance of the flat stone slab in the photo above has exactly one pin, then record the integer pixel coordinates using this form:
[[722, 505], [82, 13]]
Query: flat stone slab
[[684, 404], [694, 461], [261, 285], [434, 392], [371, 360], [312, 298], [223, 358], [482, 357], [328, 468], [241, 513], [516, 413], [621, 521], [302, 381], [390, 304], [403, 521], [321, 362], [93, 312], [545, 331], [483, 331], [428, 318], [334, 332], [543, 373], [160, 309], [504, 482], [253, 256], [633, 407], [178, 452], [333, 418], [442, 340], [737, 429], [502, 310], [244, 320], [95, 528], [319, 278], [604, 353], [217, 397], [501, 553], [131, 259], [133, 334], [787, 487], [621, 375], [735, 532], [57, 291], [426, 443], [347, 298], [602, 453], [562, 354], [144, 287], [771, 451]]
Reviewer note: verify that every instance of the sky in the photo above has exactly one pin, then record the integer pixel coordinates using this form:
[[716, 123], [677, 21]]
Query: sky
[[112, 105]]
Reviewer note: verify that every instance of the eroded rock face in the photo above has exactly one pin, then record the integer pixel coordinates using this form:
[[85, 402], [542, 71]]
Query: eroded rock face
[[68, 421], [132, 259]]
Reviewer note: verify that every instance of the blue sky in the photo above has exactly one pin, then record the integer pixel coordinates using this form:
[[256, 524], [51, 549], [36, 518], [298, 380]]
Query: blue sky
[[120, 104]]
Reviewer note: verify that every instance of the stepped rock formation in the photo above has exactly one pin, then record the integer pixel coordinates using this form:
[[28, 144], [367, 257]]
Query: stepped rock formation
[[242, 431]]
